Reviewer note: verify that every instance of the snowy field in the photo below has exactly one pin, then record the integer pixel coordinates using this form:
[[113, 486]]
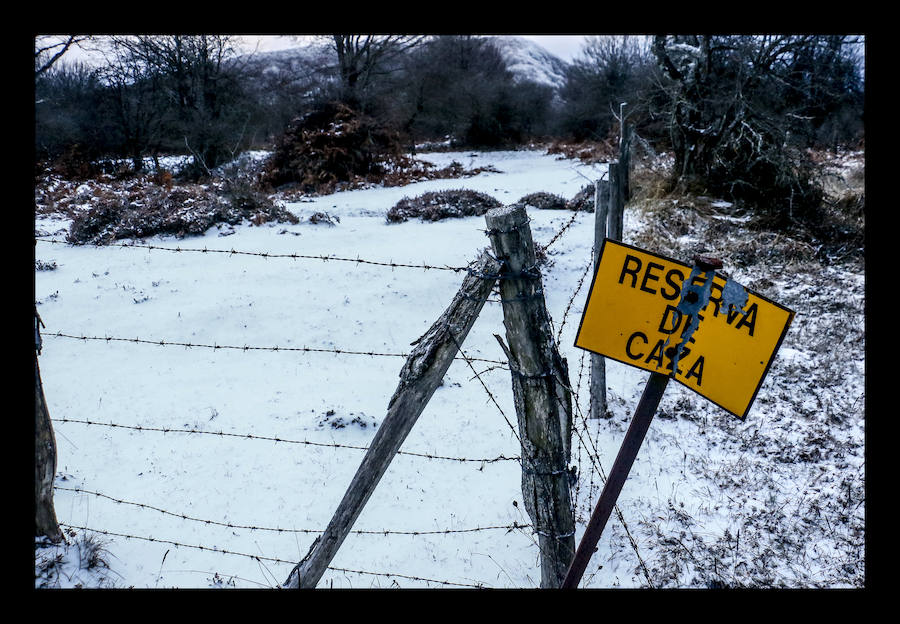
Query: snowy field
[[216, 466]]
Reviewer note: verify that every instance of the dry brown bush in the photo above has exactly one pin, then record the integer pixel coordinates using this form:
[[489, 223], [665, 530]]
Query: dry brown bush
[[331, 147], [544, 201], [182, 211], [439, 205], [588, 152], [338, 148]]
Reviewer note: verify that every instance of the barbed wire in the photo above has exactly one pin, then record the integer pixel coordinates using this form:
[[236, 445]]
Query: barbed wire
[[189, 345], [358, 261], [507, 528], [262, 557], [483, 385], [561, 231], [594, 456], [293, 256], [572, 298], [263, 254], [250, 436]]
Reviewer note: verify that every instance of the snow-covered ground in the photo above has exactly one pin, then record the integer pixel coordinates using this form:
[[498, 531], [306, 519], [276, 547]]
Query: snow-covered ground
[[218, 467]]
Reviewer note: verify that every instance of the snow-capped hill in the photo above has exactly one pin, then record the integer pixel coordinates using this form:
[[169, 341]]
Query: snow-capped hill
[[527, 60], [293, 61]]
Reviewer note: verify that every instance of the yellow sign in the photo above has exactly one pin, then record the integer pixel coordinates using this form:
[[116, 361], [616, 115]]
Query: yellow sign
[[663, 315]]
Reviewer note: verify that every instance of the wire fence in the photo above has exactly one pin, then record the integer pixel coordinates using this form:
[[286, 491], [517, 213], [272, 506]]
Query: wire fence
[[585, 444], [197, 345], [250, 436], [261, 558]]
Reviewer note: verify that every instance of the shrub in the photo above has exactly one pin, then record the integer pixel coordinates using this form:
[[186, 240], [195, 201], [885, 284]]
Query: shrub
[[332, 146], [183, 211], [583, 200], [439, 205], [544, 201]]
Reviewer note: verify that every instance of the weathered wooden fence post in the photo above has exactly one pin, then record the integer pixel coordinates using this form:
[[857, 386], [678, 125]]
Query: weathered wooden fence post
[[598, 362], [625, 135], [540, 382], [45, 523], [609, 214], [616, 200], [419, 378]]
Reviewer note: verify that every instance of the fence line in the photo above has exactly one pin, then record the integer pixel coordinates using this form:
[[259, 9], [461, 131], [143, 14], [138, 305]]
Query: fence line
[[508, 527], [595, 462], [250, 436], [572, 298], [561, 231], [172, 343], [263, 557], [292, 256]]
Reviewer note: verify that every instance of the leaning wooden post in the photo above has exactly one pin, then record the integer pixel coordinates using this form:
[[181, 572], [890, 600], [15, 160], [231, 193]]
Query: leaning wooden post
[[419, 378], [45, 523], [598, 362], [540, 382]]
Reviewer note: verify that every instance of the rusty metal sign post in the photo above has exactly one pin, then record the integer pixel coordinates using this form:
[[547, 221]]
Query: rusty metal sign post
[[623, 322]]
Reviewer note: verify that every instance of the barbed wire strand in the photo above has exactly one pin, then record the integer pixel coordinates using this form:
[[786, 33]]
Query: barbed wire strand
[[191, 345], [250, 436], [263, 557], [468, 361], [561, 231], [508, 528], [572, 298], [293, 256], [594, 457]]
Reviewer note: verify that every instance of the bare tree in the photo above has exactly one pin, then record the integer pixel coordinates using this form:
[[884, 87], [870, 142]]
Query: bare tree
[[132, 91], [732, 102], [361, 58], [49, 49], [199, 89], [610, 70]]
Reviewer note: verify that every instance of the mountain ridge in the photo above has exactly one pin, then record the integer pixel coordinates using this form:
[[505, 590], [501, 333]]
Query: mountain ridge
[[527, 60]]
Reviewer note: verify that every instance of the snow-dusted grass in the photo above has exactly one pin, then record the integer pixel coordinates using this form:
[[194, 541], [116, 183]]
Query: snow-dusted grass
[[776, 500]]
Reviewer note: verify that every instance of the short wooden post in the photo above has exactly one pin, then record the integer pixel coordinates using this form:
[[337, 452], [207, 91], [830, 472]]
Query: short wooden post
[[45, 523], [419, 378], [540, 382]]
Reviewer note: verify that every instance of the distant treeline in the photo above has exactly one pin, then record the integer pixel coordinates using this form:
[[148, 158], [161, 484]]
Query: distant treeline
[[708, 99]]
